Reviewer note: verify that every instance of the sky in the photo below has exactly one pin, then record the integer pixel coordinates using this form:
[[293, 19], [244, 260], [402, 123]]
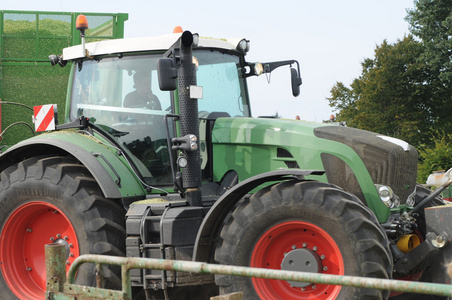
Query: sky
[[329, 38]]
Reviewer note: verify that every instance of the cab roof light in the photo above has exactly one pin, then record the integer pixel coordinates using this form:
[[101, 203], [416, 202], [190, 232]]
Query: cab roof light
[[243, 46], [81, 23], [177, 29]]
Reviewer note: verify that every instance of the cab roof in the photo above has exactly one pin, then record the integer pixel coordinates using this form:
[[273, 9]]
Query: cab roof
[[163, 43]]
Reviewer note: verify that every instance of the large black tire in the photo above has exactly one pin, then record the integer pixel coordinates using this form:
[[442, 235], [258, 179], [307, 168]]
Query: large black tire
[[309, 222], [54, 198]]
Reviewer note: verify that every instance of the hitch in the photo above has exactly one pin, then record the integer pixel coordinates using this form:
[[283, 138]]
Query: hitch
[[421, 256]]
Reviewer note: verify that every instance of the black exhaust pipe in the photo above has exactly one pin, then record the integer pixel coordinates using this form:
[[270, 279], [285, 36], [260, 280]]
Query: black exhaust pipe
[[189, 123]]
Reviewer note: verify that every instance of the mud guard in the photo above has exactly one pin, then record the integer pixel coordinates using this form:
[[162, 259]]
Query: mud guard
[[56, 146], [214, 218]]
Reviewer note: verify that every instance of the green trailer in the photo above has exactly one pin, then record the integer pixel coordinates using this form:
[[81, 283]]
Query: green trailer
[[27, 38]]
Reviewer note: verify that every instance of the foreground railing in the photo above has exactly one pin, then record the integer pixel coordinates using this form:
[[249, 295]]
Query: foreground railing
[[59, 288]]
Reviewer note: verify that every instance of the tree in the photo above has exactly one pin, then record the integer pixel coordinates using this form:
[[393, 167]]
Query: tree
[[435, 158], [406, 90], [345, 100], [277, 115], [431, 22], [390, 97]]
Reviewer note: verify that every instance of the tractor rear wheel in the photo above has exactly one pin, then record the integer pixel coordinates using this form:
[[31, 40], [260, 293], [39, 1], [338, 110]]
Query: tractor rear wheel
[[303, 226], [53, 199]]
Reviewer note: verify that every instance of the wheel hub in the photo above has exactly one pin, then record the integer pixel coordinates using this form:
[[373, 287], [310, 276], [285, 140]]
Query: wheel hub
[[301, 260], [63, 242]]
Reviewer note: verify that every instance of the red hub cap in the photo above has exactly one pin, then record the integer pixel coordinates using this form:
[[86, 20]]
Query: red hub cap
[[22, 240], [296, 246]]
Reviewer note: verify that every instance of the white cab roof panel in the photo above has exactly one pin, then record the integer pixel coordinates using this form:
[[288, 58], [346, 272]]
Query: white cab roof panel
[[163, 42]]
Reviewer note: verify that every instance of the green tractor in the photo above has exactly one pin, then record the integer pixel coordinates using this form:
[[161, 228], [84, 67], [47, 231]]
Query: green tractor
[[160, 158]]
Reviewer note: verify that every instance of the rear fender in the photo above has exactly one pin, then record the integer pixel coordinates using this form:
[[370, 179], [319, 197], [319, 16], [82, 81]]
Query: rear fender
[[114, 178], [213, 221]]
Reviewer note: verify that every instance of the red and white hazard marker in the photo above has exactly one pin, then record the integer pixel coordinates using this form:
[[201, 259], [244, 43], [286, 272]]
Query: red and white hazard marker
[[44, 117]]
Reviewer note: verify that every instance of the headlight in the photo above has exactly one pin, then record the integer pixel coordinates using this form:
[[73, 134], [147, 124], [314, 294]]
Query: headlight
[[387, 196], [258, 69]]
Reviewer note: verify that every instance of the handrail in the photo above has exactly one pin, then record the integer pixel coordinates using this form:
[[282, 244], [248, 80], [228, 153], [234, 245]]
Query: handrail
[[198, 267]]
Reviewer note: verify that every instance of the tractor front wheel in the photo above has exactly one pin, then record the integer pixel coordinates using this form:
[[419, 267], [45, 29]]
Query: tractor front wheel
[[53, 200], [304, 226]]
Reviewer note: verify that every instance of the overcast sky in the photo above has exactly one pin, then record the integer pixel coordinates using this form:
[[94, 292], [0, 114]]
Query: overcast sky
[[329, 38]]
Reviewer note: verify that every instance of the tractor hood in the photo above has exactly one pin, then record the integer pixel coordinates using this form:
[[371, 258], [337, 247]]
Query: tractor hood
[[352, 158]]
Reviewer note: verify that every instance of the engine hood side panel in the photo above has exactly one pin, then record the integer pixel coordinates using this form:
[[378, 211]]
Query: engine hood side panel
[[252, 146]]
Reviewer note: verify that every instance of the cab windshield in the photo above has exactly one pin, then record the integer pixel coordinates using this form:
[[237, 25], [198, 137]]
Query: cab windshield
[[122, 94]]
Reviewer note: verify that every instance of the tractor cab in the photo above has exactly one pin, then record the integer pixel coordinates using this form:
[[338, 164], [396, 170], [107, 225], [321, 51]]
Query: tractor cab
[[116, 86], [120, 92]]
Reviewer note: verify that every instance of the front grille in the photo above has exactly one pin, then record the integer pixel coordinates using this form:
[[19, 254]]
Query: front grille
[[387, 163]]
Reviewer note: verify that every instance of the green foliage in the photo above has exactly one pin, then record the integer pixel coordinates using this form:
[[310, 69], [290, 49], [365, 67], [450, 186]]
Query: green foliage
[[405, 91], [436, 158], [47, 27], [431, 21], [31, 85], [26, 76], [390, 96], [23, 40]]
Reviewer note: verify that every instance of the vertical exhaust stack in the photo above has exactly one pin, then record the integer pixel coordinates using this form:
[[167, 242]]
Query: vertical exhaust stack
[[189, 125]]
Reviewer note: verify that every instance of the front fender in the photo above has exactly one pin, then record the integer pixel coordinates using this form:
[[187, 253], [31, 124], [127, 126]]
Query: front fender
[[219, 211], [115, 178]]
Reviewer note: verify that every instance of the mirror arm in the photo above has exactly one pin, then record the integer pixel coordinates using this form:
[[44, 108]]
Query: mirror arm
[[269, 67]]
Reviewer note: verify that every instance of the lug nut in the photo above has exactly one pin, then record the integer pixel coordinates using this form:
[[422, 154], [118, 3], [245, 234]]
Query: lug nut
[[325, 268], [66, 238], [315, 248], [294, 247], [29, 230], [52, 239], [313, 286], [305, 245], [29, 269], [322, 256], [58, 235]]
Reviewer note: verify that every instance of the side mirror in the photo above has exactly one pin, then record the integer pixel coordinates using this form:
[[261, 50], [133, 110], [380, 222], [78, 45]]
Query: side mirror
[[167, 74], [296, 82]]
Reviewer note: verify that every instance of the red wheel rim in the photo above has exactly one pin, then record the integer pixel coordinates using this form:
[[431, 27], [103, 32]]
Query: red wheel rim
[[22, 240], [279, 241]]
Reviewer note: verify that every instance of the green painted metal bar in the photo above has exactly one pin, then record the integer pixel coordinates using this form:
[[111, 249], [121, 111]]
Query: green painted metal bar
[[197, 267], [55, 267]]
